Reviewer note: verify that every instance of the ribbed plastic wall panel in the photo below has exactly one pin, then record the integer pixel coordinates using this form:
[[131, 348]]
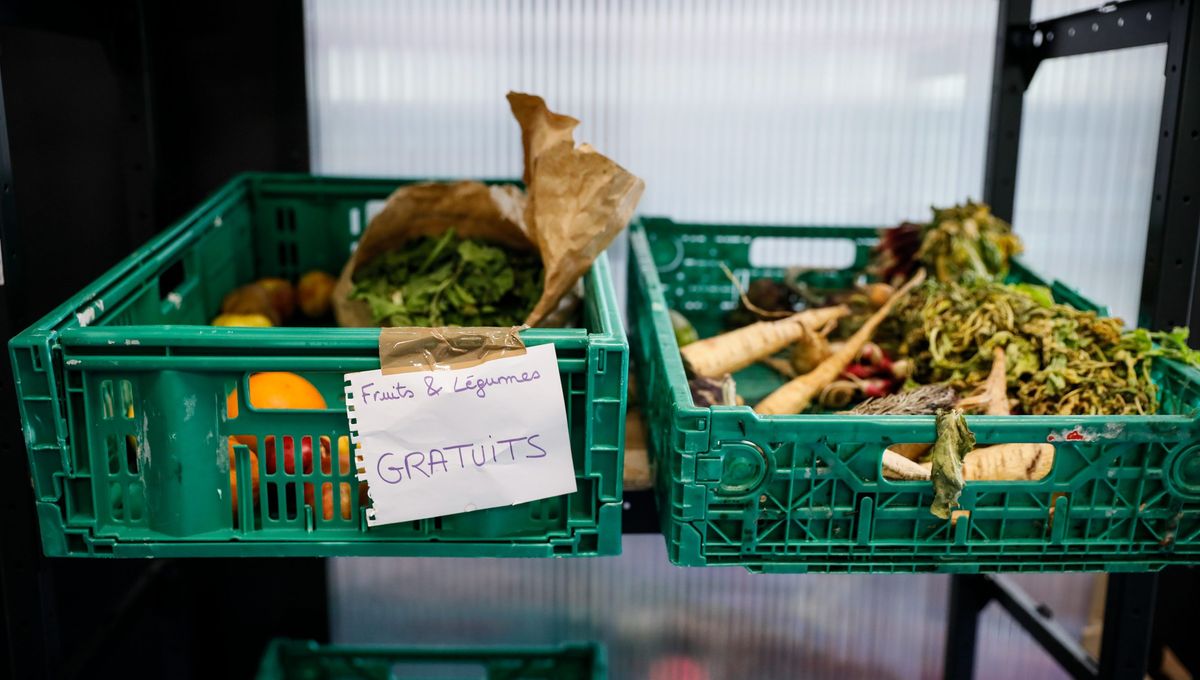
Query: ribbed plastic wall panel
[[758, 112], [765, 111], [1086, 171], [659, 621], [753, 112]]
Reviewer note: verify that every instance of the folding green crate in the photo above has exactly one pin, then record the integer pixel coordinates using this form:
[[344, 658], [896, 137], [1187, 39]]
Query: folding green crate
[[297, 660], [123, 394], [806, 492]]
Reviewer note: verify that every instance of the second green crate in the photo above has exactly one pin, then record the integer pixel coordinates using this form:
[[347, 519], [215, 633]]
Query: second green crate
[[806, 492]]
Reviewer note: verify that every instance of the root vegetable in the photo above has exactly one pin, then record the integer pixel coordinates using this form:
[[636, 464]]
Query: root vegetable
[[797, 394], [902, 369], [767, 299], [860, 371], [837, 394], [714, 391], [251, 298], [1008, 463], [314, 292], [685, 333], [992, 397], [896, 466], [809, 354], [283, 295], [910, 451], [732, 351], [873, 355], [781, 366], [878, 294]]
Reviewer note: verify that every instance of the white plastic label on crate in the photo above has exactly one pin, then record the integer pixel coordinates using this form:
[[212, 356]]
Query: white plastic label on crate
[[432, 443]]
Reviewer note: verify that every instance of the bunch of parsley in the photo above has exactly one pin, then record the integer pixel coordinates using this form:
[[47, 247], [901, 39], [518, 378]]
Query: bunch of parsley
[[447, 281]]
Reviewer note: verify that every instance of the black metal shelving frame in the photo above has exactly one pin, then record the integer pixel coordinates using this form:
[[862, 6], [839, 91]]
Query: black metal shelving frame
[[162, 168], [1169, 296]]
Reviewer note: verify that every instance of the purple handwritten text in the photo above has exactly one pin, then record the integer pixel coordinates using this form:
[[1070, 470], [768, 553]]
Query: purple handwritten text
[[480, 385], [394, 468]]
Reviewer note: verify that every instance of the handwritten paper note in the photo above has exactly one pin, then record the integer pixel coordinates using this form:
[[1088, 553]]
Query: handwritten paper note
[[440, 442]]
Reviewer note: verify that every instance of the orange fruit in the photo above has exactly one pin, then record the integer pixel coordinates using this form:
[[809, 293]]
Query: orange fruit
[[277, 389], [273, 390], [346, 496]]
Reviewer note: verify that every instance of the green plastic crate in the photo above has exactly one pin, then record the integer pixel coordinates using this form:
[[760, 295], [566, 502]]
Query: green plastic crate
[[297, 660], [805, 492], [122, 393]]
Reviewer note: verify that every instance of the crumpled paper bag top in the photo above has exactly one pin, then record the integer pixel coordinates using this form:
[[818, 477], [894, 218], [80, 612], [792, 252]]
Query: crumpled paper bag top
[[578, 199], [576, 203]]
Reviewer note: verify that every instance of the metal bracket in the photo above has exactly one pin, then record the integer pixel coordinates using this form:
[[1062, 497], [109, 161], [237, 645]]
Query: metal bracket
[[1021, 46], [1113, 26], [1128, 616]]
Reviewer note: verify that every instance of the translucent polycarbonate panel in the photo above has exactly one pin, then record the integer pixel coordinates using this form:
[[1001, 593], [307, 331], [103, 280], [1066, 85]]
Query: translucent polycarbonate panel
[[1089, 135], [661, 621], [768, 111]]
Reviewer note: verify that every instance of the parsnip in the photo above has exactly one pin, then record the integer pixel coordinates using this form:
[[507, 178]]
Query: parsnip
[[896, 466], [795, 395], [732, 351], [910, 451], [1007, 463], [992, 396]]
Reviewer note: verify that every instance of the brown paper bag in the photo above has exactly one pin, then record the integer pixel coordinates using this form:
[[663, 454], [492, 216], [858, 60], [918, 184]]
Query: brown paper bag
[[577, 202]]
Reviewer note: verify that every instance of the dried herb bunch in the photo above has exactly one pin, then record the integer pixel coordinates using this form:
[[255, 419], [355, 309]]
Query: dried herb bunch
[[967, 242], [919, 401], [1060, 361], [962, 242]]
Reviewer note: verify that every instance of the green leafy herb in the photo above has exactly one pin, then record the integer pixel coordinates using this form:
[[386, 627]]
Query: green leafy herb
[[447, 281], [1167, 344]]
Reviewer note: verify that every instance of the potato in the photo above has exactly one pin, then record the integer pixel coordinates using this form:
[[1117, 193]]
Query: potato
[[283, 295], [315, 291], [251, 299]]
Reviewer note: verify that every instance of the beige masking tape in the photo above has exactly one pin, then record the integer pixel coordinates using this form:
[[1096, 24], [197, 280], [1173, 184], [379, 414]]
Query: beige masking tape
[[405, 350]]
